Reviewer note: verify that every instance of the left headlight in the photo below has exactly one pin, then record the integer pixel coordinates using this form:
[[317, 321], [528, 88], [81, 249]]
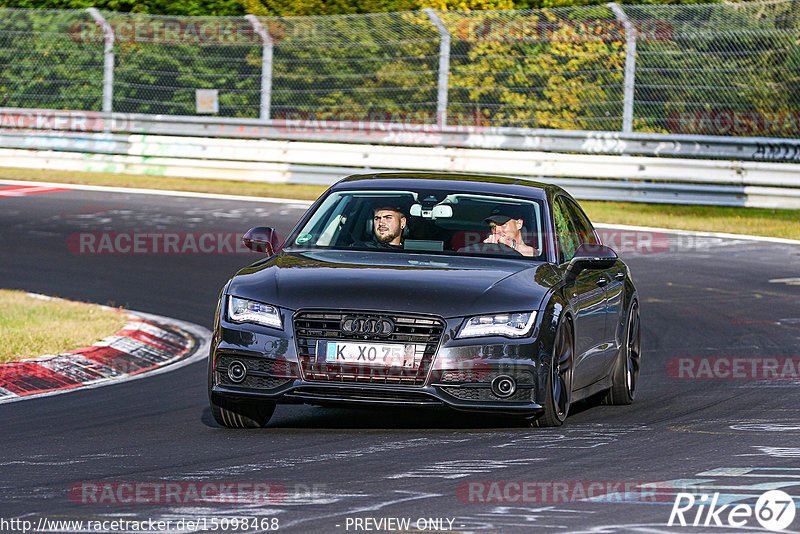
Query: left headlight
[[249, 311], [500, 324]]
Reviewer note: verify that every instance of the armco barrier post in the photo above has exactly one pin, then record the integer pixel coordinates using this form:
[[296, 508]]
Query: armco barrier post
[[630, 65], [266, 65], [108, 58], [444, 66]]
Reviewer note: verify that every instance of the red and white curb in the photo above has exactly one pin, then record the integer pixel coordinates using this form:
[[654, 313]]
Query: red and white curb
[[22, 190], [146, 345]]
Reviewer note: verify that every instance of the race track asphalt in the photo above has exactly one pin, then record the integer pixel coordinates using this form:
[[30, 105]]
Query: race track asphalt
[[700, 298]]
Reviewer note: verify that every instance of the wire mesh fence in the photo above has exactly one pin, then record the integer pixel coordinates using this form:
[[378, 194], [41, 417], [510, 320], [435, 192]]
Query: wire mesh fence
[[727, 69], [723, 69], [380, 67], [41, 66], [559, 68], [160, 62]]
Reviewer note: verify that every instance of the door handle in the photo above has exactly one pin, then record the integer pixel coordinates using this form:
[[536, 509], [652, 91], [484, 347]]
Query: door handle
[[620, 276], [602, 282]]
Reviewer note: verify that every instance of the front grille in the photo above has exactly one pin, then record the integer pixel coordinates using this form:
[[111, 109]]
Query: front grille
[[311, 326], [262, 373], [485, 394]]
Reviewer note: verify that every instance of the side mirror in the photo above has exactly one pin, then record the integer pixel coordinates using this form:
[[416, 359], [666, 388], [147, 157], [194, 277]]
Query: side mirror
[[262, 239], [590, 257]]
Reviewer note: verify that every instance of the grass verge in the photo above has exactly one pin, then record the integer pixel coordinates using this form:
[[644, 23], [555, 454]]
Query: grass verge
[[754, 221], [31, 326], [225, 187], [750, 221]]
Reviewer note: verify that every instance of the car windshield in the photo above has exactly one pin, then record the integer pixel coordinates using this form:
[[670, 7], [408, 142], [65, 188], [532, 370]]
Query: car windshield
[[426, 221]]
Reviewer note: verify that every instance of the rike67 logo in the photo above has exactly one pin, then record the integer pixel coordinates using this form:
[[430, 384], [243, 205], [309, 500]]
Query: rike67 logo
[[774, 511]]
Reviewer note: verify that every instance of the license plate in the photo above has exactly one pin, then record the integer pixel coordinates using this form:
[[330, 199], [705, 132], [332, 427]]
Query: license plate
[[380, 354]]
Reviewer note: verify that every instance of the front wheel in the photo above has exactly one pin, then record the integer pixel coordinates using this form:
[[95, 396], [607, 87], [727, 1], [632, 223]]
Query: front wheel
[[559, 381], [232, 415], [625, 379]]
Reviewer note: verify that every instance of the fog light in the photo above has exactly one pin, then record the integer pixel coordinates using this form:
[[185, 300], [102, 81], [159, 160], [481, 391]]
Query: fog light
[[504, 386], [237, 371]]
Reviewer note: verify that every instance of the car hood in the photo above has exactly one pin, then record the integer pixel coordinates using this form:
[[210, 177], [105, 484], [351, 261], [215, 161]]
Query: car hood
[[354, 280]]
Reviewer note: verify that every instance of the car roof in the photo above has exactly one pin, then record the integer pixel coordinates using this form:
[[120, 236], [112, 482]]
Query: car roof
[[483, 183]]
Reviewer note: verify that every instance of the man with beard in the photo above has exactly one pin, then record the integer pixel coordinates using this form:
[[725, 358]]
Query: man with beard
[[388, 223]]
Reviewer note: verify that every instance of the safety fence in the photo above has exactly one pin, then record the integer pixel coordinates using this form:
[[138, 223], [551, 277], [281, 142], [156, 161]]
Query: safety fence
[[35, 124], [724, 69], [594, 177]]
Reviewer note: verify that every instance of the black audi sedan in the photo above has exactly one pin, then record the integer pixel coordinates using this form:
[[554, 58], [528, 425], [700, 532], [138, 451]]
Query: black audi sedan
[[457, 291]]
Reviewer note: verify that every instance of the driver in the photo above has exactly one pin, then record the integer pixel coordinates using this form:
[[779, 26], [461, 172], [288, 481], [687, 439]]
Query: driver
[[506, 224], [388, 223]]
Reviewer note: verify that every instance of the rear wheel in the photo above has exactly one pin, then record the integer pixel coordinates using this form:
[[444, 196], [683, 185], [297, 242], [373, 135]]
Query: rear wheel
[[626, 370], [241, 415], [559, 381]]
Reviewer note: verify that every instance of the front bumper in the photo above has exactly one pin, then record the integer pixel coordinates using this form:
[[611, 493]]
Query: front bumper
[[331, 394], [459, 373]]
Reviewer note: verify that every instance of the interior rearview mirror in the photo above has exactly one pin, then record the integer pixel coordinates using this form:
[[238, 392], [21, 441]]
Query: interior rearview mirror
[[439, 211]]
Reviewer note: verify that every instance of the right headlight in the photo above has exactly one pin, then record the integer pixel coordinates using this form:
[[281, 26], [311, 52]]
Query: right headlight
[[516, 324], [250, 311]]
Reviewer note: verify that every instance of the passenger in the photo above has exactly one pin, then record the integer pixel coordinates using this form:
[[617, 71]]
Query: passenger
[[506, 224]]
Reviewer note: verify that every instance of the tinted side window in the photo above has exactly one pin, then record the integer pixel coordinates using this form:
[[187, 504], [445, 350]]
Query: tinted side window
[[582, 226], [567, 237]]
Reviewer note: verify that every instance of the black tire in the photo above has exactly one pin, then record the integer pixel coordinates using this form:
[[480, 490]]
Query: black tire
[[242, 415], [559, 381], [625, 378]]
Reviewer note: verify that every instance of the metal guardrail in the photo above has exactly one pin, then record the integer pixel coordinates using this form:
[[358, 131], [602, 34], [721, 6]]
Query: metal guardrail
[[672, 180], [36, 122]]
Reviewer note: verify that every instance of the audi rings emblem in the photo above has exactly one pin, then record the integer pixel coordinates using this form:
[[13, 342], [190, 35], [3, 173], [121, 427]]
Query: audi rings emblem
[[361, 325]]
